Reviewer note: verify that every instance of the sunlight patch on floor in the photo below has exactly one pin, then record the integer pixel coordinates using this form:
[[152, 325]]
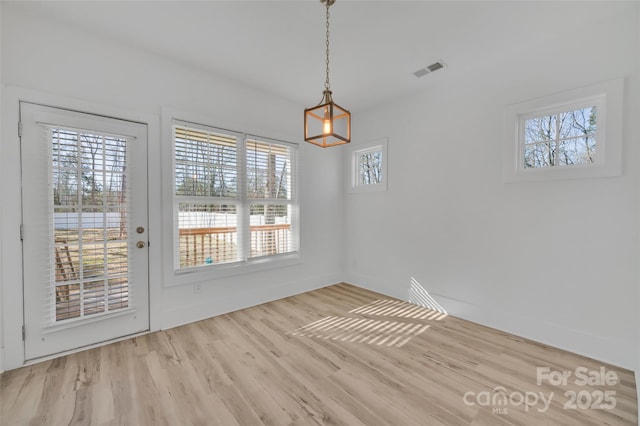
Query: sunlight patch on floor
[[362, 330], [398, 308]]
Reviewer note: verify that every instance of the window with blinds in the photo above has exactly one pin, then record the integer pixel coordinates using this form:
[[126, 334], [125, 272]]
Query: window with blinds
[[269, 192], [234, 197], [88, 210]]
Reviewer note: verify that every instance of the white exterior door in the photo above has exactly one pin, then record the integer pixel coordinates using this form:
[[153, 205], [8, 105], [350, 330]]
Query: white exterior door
[[84, 204]]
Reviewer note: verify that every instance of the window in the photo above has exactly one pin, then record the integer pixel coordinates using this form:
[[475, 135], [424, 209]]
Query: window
[[269, 196], [234, 199], [575, 134], [368, 167], [564, 138]]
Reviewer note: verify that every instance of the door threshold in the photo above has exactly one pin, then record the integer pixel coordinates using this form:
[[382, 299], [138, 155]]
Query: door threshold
[[33, 361]]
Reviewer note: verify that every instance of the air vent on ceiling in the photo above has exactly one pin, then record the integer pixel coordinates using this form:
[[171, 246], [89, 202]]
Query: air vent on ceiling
[[431, 68]]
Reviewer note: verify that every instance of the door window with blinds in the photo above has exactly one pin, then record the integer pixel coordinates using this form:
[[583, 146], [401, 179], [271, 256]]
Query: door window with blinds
[[234, 197], [88, 211]]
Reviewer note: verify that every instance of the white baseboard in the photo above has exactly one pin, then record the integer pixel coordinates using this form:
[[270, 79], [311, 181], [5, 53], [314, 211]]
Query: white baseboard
[[250, 297], [602, 348]]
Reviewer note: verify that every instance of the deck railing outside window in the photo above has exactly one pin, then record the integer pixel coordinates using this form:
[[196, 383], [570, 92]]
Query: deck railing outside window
[[200, 246]]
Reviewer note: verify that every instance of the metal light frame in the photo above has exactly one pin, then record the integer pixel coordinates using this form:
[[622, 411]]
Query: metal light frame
[[327, 124]]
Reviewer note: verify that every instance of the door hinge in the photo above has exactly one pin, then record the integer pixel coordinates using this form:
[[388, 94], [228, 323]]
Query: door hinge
[[23, 333], [21, 232], [19, 129]]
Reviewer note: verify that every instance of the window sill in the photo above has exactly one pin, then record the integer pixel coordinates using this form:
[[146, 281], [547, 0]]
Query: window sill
[[561, 173], [214, 272], [362, 189]]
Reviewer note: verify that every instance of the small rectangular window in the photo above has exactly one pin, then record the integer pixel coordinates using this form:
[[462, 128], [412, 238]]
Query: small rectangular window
[[569, 135], [368, 167], [564, 138]]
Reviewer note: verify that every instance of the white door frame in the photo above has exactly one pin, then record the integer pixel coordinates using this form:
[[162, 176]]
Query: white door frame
[[10, 194]]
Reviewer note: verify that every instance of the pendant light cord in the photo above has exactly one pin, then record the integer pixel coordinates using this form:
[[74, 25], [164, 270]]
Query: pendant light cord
[[327, 86]]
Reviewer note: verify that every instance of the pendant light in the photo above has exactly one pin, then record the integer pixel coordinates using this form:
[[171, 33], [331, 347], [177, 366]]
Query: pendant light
[[327, 124]]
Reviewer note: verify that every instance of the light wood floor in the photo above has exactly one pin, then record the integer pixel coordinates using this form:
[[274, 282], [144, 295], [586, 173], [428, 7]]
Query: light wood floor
[[339, 355]]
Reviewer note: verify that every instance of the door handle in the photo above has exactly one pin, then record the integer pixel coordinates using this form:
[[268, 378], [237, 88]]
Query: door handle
[[140, 244]]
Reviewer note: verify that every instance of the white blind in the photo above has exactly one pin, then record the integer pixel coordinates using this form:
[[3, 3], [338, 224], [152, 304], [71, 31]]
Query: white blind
[[205, 163], [206, 190], [271, 172], [88, 215], [234, 196]]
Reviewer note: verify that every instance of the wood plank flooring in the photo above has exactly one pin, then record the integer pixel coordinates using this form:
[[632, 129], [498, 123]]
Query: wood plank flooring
[[336, 356]]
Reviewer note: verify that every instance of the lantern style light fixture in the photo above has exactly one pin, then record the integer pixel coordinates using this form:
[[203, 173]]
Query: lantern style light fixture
[[327, 124]]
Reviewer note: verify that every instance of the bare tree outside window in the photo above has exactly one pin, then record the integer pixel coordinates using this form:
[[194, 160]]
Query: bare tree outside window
[[561, 139], [370, 167]]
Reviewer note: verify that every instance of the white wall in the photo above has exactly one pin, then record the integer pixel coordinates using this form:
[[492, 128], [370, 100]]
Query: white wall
[[553, 261], [83, 69], [1, 329], [637, 373]]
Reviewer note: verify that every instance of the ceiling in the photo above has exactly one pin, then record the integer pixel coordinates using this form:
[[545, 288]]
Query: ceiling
[[278, 46]]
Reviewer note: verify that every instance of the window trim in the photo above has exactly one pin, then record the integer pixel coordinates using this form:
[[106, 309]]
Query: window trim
[[353, 166], [606, 96], [177, 277]]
